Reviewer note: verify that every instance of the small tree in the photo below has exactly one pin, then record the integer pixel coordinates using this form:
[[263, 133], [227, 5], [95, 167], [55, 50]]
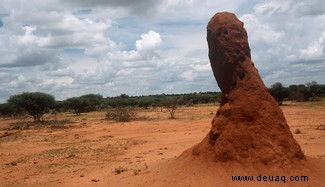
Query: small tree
[[279, 92], [121, 111], [171, 105], [297, 92], [94, 101], [121, 114], [77, 104], [35, 103], [145, 102], [312, 90], [7, 109]]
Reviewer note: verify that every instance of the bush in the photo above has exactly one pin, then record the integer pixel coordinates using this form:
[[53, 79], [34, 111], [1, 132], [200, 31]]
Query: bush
[[279, 92], [7, 109], [297, 131], [77, 104], [35, 103], [171, 105], [119, 170], [121, 114]]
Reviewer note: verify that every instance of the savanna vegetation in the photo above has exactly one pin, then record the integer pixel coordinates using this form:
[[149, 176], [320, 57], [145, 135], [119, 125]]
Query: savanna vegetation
[[123, 107], [119, 108], [311, 91]]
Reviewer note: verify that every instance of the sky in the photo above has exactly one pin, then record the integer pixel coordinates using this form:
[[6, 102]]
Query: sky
[[141, 47]]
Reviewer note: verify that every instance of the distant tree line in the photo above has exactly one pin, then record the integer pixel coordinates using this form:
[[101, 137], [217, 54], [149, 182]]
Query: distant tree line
[[36, 104], [311, 91]]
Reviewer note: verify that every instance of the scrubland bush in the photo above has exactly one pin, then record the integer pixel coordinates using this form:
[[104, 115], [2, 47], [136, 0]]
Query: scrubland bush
[[171, 105], [121, 114], [297, 131], [34, 103], [119, 170]]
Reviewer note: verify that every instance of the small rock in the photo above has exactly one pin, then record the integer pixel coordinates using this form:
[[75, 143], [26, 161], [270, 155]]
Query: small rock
[[297, 131], [136, 171], [82, 175], [71, 155], [321, 127], [13, 163], [95, 180]]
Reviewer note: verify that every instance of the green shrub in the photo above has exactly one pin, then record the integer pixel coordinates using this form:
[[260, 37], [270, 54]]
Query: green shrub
[[34, 103]]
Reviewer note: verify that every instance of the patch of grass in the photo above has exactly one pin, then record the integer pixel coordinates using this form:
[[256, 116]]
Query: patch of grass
[[61, 151], [119, 170], [21, 125], [112, 147], [59, 123], [87, 141], [137, 142], [310, 103]]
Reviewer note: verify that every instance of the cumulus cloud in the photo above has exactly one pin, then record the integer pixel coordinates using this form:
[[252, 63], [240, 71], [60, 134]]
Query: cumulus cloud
[[148, 44], [283, 34], [70, 48], [139, 7], [145, 49], [31, 44], [308, 8]]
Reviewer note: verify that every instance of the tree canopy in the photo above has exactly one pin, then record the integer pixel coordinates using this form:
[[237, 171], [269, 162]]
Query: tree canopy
[[34, 103], [279, 92], [37, 103]]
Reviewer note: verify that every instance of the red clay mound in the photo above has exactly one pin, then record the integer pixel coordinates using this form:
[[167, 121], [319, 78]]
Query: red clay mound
[[249, 127]]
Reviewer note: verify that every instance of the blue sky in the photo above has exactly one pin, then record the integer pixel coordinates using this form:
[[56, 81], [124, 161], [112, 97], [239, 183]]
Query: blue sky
[[71, 48]]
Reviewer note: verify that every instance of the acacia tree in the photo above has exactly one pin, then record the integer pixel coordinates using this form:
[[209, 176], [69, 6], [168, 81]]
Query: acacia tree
[[297, 92], [7, 109], [171, 105], [94, 101], [34, 103], [279, 92], [77, 104], [312, 90]]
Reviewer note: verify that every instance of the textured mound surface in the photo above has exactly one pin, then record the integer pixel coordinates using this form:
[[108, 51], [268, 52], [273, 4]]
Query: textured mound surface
[[249, 127]]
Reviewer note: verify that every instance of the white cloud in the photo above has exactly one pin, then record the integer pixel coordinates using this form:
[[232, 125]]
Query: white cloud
[[145, 49], [70, 48], [148, 44], [315, 49], [261, 32], [282, 36], [188, 75]]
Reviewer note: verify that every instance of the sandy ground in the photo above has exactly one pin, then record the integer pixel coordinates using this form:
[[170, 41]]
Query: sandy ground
[[92, 151]]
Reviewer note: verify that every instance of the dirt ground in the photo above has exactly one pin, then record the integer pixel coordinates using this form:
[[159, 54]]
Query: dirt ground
[[91, 151]]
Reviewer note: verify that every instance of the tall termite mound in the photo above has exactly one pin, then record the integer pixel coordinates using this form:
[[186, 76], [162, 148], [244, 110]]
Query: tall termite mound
[[249, 127]]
